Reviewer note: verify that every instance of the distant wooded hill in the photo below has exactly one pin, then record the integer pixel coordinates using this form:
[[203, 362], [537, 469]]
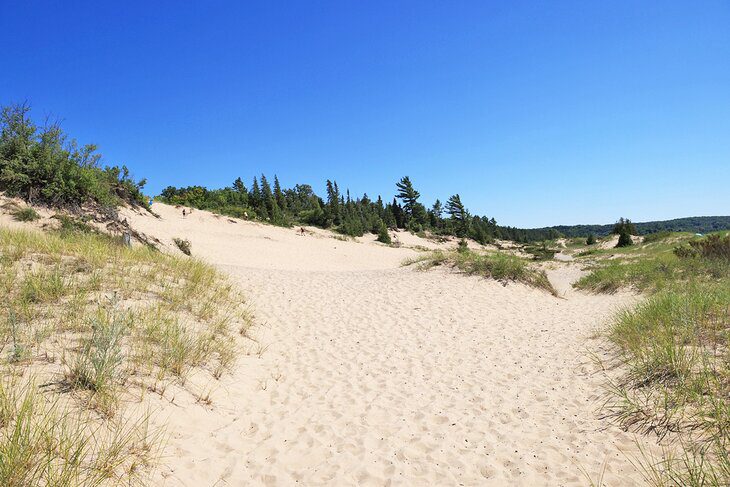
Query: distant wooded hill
[[694, 224]]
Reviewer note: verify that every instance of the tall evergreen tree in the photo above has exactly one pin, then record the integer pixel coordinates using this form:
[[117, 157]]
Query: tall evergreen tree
[[407, 194], [455, 208], [279, 194]]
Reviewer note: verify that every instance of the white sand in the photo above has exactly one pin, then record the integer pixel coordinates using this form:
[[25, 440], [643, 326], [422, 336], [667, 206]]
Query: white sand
[[374, 374]]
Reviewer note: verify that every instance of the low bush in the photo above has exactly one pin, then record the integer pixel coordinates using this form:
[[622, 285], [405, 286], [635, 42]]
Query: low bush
[[624, 240], [383, 235], [712, 247]]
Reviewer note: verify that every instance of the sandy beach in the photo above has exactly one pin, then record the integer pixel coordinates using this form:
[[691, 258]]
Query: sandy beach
[[365, 372]]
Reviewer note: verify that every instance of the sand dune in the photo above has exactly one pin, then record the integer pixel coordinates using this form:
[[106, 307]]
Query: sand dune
[[375, 374]]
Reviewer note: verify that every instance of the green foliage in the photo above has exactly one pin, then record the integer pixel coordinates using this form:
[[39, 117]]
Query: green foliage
[[591, 240], [383, 235], [26, 214], [41, 165], [624, 225], [713, 247], [624, 239], [459, 216]]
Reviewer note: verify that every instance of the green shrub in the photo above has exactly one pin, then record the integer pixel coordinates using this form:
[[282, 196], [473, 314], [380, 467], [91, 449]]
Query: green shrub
[[463, 246], [624, 240], [383, 235], [591, 240], [26, 214], [42, 165], [712, 247]]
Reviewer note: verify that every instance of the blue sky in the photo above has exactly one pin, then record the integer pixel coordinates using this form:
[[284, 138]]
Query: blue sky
[[537, 113]]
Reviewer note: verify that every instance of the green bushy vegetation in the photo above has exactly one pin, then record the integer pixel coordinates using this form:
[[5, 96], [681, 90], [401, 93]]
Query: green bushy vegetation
[[675, 347], [624, 240], [101, 325], [500, 266], [43, 166]]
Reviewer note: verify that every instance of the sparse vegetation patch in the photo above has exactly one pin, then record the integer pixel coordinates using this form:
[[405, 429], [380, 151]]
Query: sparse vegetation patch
[[500, 266]]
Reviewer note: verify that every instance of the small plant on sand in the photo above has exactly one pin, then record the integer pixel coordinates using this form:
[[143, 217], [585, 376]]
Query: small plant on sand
[[183, 245], [26, 214], [463, 246], [591, 240], [98, 367]]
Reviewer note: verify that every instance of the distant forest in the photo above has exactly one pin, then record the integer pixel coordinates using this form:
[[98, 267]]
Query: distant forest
[[694, 224], [356, 216]]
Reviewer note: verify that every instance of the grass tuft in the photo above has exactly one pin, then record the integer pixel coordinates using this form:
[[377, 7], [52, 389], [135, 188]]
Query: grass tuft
[[26, 214]]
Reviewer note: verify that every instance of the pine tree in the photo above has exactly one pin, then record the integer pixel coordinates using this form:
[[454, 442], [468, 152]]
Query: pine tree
[[408, 195], [272, 209], [333, 202], [256, 199], [459, 215], [279, 194]]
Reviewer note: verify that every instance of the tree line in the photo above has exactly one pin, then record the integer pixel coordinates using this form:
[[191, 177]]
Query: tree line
[[338, 209]]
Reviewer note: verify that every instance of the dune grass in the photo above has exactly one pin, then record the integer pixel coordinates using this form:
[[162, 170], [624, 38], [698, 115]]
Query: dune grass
[[675, 351], [95, 321], [500, 266], [26, 214]]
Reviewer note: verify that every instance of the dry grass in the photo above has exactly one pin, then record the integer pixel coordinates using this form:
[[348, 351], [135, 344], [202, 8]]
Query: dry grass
[[95, 321], [500, 266]]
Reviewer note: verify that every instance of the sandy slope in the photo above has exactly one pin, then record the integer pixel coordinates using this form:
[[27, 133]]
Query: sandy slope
[[374, 374]]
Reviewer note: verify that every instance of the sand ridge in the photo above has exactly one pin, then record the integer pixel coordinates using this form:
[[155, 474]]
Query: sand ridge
[[375, 374]]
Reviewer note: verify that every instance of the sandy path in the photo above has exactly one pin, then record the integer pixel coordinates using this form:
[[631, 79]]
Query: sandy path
[[392, 376]]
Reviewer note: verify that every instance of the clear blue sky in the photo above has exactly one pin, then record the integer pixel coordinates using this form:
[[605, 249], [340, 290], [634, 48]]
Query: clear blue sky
[[537, 113]]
